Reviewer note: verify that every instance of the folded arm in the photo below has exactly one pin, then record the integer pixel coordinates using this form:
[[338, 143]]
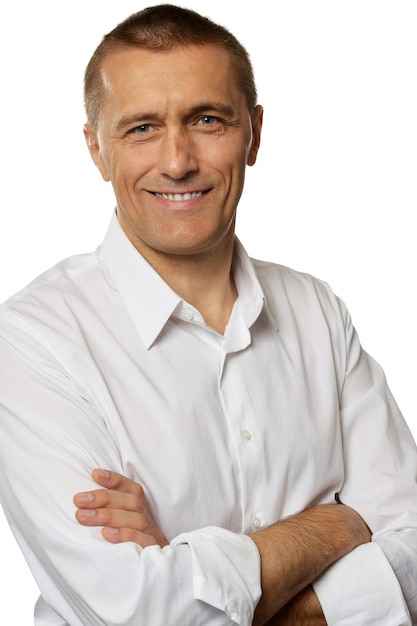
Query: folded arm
[[293, 551], [50, 437]]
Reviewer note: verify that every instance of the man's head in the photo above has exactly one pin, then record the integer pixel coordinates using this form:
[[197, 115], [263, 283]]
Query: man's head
[[173, 123], [165, 27]]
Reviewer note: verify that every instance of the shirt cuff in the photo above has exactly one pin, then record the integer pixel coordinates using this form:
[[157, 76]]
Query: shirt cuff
[[361, 588], [226, 571]]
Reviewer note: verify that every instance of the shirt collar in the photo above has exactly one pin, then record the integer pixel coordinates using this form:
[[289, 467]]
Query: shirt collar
[[251, 296], [148, 298]]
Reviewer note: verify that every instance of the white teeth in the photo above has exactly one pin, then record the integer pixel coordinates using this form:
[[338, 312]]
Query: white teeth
[[177, 197]]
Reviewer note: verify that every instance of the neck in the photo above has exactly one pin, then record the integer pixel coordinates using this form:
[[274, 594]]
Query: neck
[[203, 280]]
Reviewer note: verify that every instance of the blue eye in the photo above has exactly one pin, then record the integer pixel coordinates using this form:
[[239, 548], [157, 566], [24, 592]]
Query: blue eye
[[208, 120], [142, 129]]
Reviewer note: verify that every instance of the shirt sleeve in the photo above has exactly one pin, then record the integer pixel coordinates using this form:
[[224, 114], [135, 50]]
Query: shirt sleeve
[[51, 436], [361, 588], [375, 582]]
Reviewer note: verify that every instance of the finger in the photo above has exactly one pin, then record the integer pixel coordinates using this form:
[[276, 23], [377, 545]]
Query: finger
[[123, 535], [102, 498], [122, 519], [118, 482], [116, 518], [106, 517]]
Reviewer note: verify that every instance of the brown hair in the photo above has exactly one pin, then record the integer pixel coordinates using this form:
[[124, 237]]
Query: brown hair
[[165, 27]]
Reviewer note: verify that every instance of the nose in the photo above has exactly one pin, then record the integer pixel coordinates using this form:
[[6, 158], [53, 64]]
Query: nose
[[178, 154]]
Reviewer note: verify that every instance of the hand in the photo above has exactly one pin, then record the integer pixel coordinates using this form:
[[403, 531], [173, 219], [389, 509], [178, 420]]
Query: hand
[[121, 508]]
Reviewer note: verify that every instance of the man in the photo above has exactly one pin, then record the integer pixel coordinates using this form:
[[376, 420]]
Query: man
[[224, 405]]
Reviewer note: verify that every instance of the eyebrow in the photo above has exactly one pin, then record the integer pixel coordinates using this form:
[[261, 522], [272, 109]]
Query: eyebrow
[[137, 118], [219, 107]]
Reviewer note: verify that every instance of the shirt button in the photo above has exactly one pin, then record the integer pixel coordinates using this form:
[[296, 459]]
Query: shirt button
[[246, 434], [256, 523], [188, 315]]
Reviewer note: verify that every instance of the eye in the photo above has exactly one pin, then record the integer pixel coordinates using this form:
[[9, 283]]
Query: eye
[[142, 129], [208, 120]]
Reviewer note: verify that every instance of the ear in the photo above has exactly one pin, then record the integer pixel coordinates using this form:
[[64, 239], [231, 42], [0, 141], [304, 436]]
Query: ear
[[256, 120], [93, 145]]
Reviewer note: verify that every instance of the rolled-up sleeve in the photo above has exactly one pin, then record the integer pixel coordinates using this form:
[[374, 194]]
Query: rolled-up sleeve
[[361, 588]]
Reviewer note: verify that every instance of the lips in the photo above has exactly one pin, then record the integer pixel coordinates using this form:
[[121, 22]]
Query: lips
[[179, 197]]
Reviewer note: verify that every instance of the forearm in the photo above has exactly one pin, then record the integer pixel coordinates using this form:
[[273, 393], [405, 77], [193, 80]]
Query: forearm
[[303, 610], [295, 551]]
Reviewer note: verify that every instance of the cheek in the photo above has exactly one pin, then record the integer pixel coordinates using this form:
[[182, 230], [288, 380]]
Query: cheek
[[237, 168], [127, 169], [229, 160]]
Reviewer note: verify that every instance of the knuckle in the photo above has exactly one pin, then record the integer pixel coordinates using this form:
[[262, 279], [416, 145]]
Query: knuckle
[[140, 522], [102, 495], [137, 504], [105, 516]]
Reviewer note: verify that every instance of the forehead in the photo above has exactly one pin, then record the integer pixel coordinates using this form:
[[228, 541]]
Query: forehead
[[135, 75]]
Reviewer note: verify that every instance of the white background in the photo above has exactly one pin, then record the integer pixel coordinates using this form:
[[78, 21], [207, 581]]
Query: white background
[[333, 192]]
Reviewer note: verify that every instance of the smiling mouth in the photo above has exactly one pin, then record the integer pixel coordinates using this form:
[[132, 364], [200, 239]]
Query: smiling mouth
[[179, 197]]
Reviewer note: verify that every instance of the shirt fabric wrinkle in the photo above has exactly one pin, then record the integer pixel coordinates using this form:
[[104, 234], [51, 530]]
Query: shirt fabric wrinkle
[[227, 434]]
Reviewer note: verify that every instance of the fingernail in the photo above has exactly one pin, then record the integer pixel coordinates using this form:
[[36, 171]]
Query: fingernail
[[86, 513], [112, 531], [103, 473], [84, 497]]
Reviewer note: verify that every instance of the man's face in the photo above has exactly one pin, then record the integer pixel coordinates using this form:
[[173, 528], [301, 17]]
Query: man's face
[[174, 137]]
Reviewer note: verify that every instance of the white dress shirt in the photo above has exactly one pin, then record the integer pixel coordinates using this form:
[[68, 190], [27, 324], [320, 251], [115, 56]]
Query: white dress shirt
[[103, 365]]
